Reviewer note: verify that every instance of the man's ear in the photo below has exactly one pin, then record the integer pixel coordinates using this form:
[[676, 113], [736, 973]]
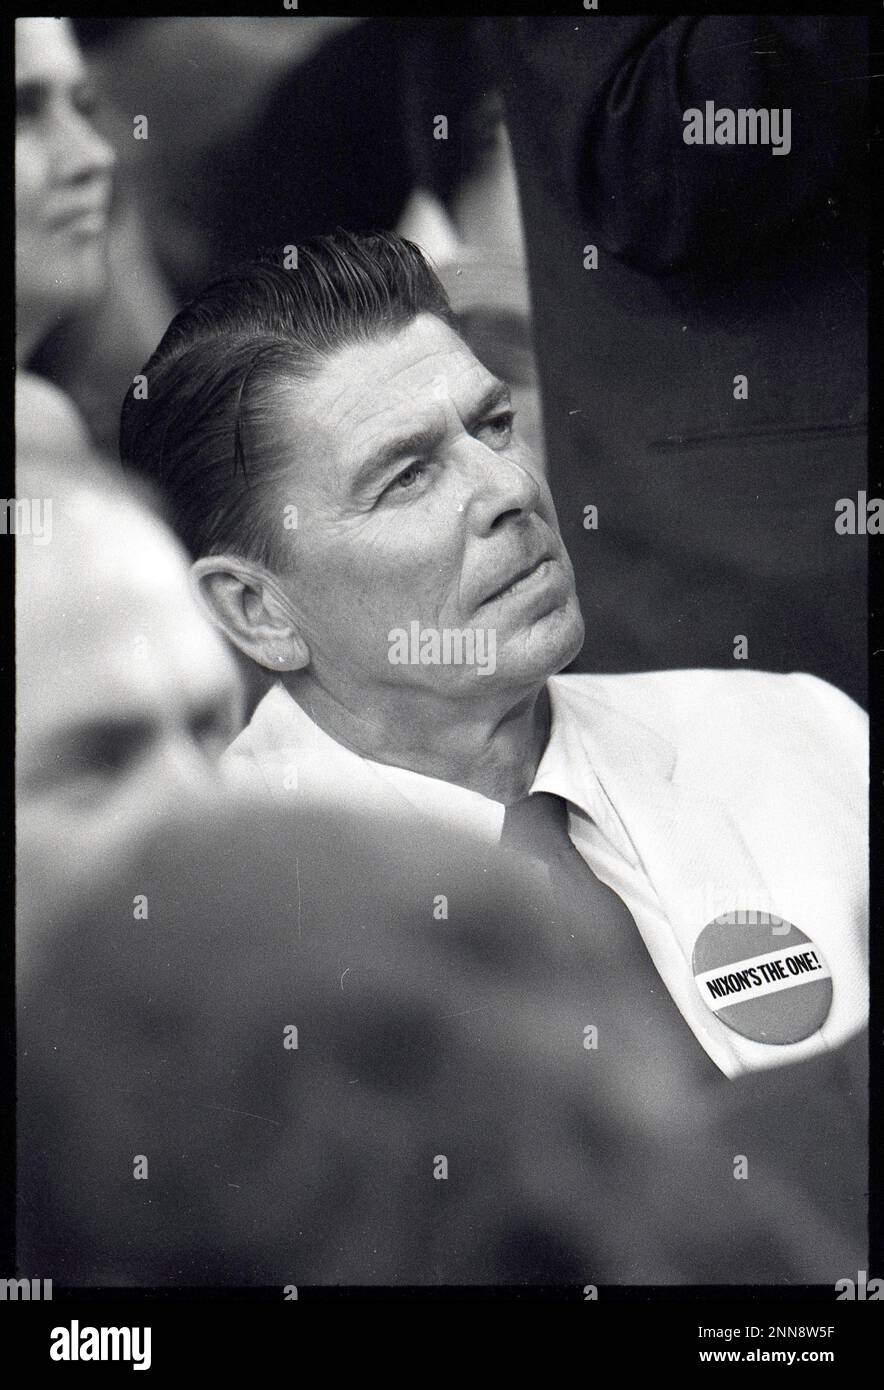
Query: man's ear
[[244, 600]]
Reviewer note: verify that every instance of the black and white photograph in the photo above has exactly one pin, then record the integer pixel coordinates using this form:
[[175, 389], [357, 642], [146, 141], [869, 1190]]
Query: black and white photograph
[[442, 515]]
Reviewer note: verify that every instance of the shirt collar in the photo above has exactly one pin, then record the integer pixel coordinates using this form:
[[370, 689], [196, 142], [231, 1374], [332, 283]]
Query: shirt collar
[[588, 742], [566, 769]]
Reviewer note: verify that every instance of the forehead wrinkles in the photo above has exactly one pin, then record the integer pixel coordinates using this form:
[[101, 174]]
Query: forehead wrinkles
[[410, 392]]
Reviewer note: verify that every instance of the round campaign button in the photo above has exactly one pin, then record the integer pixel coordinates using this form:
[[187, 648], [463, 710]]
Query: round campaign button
[[762, 977]]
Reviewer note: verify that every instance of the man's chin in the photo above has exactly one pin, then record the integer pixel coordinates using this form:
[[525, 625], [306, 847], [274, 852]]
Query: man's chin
[[570, 650], [544, 648], [573, 649]]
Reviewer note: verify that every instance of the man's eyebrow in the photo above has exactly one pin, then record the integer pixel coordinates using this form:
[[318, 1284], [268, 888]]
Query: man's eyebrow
[[209, 705], [497, 393], [418, 441], [94, 735], [389, 453]]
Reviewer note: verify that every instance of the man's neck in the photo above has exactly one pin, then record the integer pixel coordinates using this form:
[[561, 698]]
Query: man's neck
[[494, 751]]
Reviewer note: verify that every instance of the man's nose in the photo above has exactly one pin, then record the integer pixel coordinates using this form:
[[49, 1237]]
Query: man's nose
[[502, 488]]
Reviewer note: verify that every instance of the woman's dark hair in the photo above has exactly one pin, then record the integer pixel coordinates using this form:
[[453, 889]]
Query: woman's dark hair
[[203, 422]]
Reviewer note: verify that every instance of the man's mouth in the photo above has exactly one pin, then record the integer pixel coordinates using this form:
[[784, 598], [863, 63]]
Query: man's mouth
[[522, 579]]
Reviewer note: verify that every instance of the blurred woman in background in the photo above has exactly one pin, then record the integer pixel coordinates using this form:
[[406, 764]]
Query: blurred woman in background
[[63, 185]]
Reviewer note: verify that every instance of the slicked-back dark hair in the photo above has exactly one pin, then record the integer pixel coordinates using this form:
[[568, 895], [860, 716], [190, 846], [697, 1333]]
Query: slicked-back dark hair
[[209, 431]]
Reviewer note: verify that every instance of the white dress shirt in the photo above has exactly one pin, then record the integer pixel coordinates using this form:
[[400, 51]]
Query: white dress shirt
[[688, 854]]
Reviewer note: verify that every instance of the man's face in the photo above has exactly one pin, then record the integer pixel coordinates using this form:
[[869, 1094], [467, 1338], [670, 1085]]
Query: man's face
[[417, 502], [62, 171], [126, 696]]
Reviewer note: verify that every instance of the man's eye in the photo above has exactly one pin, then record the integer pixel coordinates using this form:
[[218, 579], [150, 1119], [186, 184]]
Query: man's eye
[[98, 766], [407, 478], [86, 783], [498, 431]]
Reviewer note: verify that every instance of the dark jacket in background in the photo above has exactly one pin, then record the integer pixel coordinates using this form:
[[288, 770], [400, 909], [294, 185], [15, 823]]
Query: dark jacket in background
[[716, 515]]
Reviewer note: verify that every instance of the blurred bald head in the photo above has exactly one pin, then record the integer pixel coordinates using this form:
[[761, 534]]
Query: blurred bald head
[[126, 695]]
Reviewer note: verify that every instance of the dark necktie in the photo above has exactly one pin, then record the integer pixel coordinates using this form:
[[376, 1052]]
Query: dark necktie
[[608, 945]]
